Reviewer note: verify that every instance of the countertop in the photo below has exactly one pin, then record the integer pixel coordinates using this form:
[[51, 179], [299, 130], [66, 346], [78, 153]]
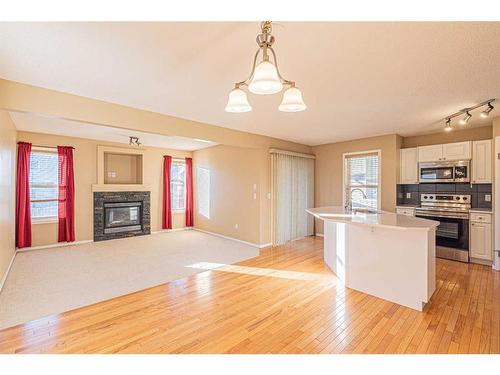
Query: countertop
[[381, 218], [407, 206], [482, 210]]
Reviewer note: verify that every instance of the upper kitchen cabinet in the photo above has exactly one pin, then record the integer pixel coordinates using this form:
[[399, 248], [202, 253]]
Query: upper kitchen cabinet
[[457, 151], [445, 152], [408, 173], [481, 162]]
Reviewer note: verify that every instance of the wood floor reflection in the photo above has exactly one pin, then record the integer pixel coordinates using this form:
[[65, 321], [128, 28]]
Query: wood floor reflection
[[284, 301]]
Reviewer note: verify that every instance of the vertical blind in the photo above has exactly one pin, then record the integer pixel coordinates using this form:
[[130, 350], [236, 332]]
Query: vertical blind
[[362, 173], [293, 193]]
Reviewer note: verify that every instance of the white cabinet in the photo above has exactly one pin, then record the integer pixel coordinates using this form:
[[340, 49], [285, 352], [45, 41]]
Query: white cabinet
[[481, 162], [480, 237], [445, 152], [408, 211], [457, 151], [430, 153], [408, 172]]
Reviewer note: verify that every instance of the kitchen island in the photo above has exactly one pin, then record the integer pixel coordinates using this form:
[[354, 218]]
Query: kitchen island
[[381, 253]]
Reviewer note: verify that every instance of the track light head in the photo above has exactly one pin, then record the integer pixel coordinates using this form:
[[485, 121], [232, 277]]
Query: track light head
[[487, 111], [465, 120], [448, 125]]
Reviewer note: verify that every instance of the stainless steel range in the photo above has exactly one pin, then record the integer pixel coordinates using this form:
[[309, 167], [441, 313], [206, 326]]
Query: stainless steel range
[[452, 234]]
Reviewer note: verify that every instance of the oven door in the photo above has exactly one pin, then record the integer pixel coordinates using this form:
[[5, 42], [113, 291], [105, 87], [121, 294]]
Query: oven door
[[433, 172]]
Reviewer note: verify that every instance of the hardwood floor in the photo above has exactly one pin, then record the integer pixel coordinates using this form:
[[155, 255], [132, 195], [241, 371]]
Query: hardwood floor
[[284, 301]]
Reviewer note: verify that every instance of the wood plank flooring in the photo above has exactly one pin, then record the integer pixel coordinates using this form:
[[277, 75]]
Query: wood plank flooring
[[284, 301]]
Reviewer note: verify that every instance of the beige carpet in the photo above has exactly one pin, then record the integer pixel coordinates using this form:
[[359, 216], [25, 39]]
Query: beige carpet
[[51, 281]]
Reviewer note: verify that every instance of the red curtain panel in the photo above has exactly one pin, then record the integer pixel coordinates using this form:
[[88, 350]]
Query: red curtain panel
[[66, 197], [167, 199], [189, 193], [23, 208]]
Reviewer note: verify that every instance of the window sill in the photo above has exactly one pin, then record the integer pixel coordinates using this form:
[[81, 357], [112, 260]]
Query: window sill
[[178, 211], [45, 220]]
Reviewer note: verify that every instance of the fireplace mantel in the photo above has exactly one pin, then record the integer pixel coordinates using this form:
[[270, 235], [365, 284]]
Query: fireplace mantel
[[120, 187]]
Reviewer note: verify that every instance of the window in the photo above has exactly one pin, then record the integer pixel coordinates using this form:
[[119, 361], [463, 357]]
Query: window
[[361, 179], [203, 191], [178, 186], [43, 184]]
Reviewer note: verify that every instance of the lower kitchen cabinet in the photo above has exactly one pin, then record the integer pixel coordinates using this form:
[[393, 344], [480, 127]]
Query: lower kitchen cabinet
[[480, 239]]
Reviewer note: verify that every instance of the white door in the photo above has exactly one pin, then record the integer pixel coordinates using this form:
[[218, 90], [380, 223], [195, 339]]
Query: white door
[[457, 151], [293, 193], [480, 241], [408, 166], [481, 162], [430, 153]]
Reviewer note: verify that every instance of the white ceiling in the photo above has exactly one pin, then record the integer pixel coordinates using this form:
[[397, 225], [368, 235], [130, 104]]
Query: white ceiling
[[47, 125], [358, 79]]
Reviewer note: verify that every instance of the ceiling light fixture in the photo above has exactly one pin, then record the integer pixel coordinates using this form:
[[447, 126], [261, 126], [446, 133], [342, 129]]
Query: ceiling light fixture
[[448, 125], [465, 120], [487, 111], [265, 79], [467, 111]]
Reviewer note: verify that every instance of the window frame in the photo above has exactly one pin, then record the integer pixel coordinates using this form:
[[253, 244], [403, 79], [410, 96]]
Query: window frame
[[44, 219], [348, 155], [183, 163]]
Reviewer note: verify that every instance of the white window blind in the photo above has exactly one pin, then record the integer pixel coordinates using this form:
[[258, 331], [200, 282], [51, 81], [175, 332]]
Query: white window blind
[[43, 184], [362, 173], [203, 191], [178, 186]]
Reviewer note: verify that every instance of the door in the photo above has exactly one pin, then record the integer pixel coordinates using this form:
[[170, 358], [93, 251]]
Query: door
[[480, 241], [430, 153], [481, 162], [457, 151], [408, 166]]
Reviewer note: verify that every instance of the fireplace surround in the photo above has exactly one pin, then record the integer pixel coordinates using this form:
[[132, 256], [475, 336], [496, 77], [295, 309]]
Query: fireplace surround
[[121, 214]]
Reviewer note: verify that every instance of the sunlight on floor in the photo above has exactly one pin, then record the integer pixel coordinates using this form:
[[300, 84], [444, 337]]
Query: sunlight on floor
[[257, 271]]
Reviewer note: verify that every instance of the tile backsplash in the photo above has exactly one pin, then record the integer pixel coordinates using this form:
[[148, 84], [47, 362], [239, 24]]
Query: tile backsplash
[[480, 193]]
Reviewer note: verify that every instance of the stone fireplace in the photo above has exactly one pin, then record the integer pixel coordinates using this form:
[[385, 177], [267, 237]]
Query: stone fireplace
[[121, 214]]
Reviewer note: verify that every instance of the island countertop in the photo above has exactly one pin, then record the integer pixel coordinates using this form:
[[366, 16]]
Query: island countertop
[[380, 218]]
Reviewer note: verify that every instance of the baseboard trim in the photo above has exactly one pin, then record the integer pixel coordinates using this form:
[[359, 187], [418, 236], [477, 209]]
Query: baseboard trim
[[170, 230], [232, 238], [319, 235], [61, 244], [4, 278]]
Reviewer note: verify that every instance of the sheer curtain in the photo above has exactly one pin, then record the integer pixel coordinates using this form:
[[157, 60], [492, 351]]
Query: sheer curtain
[[293, 193]]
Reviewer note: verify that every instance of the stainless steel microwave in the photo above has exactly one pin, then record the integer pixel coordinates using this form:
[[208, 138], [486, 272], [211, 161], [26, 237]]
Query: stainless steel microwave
[[450, 171]]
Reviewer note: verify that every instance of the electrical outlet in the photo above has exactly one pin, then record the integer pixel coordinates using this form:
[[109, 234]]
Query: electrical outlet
[[408, 195], [487, 197], [254, 187], [236, 226]]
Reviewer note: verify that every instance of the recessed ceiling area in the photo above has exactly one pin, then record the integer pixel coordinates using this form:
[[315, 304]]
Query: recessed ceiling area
[[39, 124], [358, 79]]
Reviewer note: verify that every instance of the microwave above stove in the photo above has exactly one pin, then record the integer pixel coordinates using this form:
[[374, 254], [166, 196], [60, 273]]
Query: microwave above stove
[[450, 171]]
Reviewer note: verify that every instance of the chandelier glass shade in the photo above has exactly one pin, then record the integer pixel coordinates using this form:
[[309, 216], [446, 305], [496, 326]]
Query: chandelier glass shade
[[265, 79], [238, 101]]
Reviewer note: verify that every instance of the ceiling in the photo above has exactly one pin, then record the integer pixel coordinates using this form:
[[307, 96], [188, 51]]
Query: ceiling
[[358, 79], [47, 125]]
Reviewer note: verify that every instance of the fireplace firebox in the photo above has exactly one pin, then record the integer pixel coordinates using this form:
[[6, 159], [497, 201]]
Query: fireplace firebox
[[122, 217]]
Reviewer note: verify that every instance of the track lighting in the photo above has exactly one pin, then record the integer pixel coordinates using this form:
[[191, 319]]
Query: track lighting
[[465, 120], [448, 125], [134, 141], [487, 111], [468, 115]]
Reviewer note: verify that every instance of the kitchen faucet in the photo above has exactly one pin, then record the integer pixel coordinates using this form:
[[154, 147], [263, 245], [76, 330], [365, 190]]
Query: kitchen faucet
[[348, 196]]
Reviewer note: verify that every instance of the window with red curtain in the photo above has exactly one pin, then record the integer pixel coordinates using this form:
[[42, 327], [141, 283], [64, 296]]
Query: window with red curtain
[[23, 210], [167, 200], [66, 197], [189, 193]]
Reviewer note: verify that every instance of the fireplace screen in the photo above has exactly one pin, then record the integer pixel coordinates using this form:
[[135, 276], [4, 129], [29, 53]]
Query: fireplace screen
[[122, 217]]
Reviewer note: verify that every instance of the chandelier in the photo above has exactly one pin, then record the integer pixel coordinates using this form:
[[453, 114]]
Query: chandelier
[[265, 79]]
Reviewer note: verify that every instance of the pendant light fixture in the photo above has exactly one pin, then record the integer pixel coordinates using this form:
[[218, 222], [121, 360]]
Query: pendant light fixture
[[265, 79]]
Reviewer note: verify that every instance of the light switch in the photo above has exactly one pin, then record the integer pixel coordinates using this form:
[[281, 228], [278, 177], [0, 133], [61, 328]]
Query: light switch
[[408, 195], [254, 195], [487, 197]]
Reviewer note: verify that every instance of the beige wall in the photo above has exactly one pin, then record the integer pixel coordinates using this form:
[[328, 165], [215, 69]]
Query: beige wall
[[7, 191], [472, 134], [127, 169], [85, 164], [329, 170]]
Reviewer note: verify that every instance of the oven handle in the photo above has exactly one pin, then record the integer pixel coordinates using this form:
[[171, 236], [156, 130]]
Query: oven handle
[[439, 214]]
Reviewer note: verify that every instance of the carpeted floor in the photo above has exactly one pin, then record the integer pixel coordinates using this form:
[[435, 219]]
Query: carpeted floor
[[51, 281]]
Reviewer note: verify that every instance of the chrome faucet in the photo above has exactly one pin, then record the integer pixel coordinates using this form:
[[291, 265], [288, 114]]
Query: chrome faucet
[[348, 196]]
